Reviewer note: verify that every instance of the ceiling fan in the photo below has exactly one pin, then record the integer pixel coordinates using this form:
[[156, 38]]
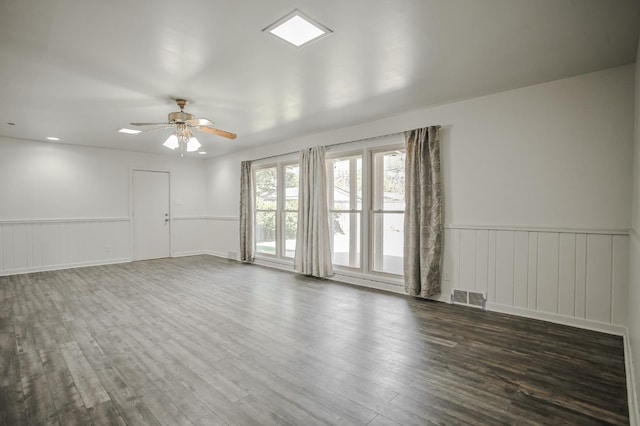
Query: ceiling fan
[[183, 124]]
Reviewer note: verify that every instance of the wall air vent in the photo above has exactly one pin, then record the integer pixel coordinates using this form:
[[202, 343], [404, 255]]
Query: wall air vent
[[469, 298]]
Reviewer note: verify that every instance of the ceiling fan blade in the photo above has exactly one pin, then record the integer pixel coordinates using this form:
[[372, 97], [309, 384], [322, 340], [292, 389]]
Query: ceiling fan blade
[[218, 132], [157, 128], [147, 124], [200, 122]]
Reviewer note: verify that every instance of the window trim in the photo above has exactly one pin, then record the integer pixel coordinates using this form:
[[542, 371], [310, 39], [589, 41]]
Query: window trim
[[280, 218], [367, 149], [283, 211], [371, 211], [257, 253], [341, 155]]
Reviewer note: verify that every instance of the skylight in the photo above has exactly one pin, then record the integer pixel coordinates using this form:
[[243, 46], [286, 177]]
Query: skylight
[[298, 29]]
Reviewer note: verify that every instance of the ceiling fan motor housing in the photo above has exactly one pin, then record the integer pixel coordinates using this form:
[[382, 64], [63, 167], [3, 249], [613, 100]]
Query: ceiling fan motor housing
[[180, 117]]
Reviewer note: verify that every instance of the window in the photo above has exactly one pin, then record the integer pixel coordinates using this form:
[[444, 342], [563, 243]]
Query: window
[[266, 182], [290, 217], [345, 209], [276, 204], [387, 213], [365, 196]]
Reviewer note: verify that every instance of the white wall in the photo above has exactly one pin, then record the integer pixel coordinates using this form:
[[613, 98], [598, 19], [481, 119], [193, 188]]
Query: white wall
[[65, 205], [536, 182], [634, 271]]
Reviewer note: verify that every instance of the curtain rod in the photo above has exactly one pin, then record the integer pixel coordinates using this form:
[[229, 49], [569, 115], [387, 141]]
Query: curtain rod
[[336, 144]]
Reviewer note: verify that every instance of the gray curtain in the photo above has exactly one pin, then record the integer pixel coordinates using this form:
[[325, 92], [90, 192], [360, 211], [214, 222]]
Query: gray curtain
[[423, 212], [313, 251], [246, 212]]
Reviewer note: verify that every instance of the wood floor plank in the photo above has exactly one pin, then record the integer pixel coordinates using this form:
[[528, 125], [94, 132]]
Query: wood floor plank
[[9, 367], [11, 405], [206, 341], [89, 387], [106, 414], [39, 405], [128, 402]]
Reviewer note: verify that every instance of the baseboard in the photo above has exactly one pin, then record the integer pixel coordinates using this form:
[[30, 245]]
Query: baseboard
[[366, 283], [30, 270], [220, 254], [602, 327], [632, 394], [190, 253]]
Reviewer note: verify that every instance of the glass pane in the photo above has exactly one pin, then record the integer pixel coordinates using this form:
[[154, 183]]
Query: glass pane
[[291, 174], [266, 232], [266, 181], [347, 172], [290, 227], [341, 184], [388, 181], [388, 243], [359, 183], [346, 239]]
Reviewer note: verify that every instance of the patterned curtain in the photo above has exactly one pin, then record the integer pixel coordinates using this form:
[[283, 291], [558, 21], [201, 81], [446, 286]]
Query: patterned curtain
[[423, 212], [246, 212], [313, 251]]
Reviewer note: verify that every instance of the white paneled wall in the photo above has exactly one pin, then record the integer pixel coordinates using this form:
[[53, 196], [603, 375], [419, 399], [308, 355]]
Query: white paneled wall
[[576, 274], [224, 240], [36, 245], [39, 245], [189, 236]]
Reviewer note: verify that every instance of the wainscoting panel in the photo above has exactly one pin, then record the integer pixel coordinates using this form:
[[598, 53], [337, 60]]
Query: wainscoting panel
[[599, 266], [520, 269], [482, 261], [505, 250], [189, 236], [568, 273], [223, 239], [532, 276], [580, 302], [36, 245], [620, 278], [547, 287]]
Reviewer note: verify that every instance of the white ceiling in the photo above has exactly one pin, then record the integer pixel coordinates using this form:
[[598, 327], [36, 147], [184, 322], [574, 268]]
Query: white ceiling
[[81, 69]]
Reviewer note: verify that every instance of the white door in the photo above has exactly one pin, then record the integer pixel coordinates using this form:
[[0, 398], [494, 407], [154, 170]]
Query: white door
[[151, 236]]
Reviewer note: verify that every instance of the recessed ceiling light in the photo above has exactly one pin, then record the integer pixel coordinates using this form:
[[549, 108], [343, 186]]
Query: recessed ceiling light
[[52, 138], [129, 131], [298, 29], [202, 152]]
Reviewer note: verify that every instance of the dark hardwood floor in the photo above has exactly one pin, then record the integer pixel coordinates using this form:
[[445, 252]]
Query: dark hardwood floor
[[206, 341]]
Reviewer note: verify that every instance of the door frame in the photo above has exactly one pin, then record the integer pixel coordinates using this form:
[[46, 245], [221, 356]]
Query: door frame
[[140, 169]]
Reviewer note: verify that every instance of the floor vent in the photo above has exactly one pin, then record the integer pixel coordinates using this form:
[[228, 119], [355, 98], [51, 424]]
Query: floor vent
[[470, 298]]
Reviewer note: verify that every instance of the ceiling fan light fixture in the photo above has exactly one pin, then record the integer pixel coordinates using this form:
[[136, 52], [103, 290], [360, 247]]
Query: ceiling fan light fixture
[[193, 144], [171, 142]]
